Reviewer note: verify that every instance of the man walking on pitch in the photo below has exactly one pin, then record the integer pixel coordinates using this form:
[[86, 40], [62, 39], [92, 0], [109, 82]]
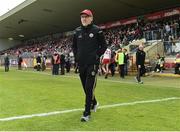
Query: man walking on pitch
[[140, 59], [88, 45]]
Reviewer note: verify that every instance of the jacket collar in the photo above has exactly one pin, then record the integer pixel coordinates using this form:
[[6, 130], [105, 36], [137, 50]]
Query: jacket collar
[[87, 27]]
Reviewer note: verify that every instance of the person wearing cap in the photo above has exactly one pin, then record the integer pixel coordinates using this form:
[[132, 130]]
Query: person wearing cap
[[140, 59], [88, 45]]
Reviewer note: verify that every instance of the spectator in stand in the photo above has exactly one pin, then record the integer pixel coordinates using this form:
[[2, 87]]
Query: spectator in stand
[[166, 43], [117, 36], [167, 28]]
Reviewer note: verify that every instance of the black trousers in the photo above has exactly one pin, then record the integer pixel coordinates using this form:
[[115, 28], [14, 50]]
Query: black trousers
[[76, 68], [158, 67], [177, 66], [68, 66], [38, 67], [140, 72], [55, 69], [62, 69], [6, 68], [88, 78], [19, 66], [121, 71], [112, 67], [43, 66]]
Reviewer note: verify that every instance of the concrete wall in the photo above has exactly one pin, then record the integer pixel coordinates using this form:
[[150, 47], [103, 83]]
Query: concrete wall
[[5, 44], [153, 50]]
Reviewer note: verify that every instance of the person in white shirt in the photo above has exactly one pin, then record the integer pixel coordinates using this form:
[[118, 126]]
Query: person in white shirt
[[167, 28], [106, 61]]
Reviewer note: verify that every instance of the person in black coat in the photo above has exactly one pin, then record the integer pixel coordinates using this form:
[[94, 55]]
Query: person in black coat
[[62, 63], [44, 58], [126, 61], [68, 64], [6, 62], [88, 45], [140, 59], [38, 60]]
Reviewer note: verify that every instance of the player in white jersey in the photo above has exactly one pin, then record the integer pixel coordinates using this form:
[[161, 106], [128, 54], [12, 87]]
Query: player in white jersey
[[106, 61]]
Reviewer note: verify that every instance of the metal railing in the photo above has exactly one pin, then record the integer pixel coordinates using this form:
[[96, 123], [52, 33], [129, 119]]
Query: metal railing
[[171, 47], [153, 34]]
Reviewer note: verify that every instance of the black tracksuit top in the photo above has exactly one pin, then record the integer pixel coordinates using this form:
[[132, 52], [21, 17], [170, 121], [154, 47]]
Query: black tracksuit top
[[88, 44], [140, 57]]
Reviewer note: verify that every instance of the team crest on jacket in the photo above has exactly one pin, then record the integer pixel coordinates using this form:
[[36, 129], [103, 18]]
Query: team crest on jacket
[[80, 36], [91, 35], [93, 73]]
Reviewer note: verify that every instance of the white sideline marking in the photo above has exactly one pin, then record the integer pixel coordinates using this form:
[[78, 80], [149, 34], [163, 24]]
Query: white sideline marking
[[105, 80], [81, 109]]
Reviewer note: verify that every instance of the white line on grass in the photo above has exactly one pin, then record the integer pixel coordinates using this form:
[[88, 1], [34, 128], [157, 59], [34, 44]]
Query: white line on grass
[[105, 80], [81, 109]]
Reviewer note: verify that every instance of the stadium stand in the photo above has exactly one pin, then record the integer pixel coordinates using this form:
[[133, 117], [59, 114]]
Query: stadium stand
[[129, 36]]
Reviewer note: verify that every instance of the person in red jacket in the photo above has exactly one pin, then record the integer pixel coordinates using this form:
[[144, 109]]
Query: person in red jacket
[[55, 63]]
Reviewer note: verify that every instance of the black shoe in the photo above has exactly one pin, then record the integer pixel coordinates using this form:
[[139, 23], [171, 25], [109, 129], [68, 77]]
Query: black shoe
[[106, 75]]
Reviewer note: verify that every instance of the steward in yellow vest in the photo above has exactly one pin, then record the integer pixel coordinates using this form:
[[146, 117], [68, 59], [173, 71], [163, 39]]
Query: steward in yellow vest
[[120, 58]]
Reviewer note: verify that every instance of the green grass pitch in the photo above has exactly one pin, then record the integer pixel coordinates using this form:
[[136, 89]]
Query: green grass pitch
[[30, 92]]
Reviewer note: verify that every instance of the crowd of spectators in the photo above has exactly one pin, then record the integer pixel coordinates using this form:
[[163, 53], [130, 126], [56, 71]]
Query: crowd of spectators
[[48, 47], [165, 29], [151, 30]]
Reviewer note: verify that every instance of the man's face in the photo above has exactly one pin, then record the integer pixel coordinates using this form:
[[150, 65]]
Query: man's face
[[120, 50], [86, 20], [141, 48], [124, 50]]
